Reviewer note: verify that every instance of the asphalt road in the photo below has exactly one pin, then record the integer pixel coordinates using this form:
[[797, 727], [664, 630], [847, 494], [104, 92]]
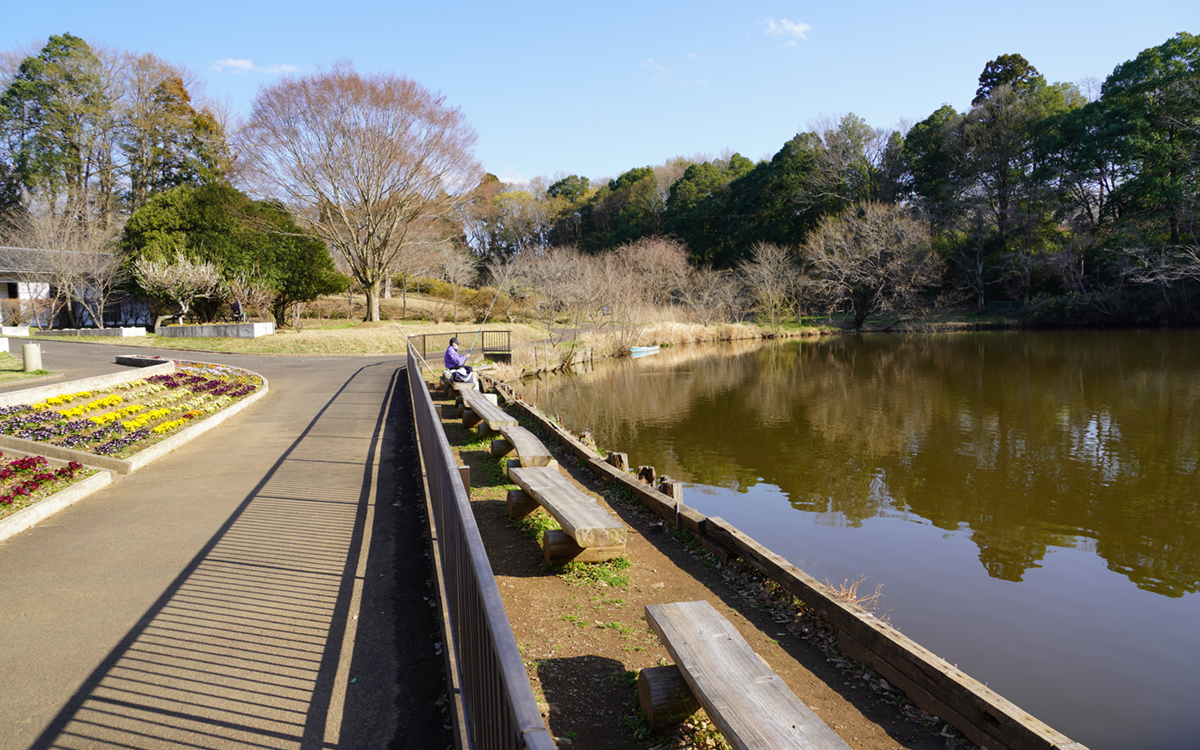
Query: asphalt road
[[239, 592]]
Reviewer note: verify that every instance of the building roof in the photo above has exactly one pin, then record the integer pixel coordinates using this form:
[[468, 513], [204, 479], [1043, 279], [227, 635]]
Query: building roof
[[28, 261]]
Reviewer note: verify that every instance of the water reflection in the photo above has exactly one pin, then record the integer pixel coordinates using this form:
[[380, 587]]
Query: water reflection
[[1024, 441]]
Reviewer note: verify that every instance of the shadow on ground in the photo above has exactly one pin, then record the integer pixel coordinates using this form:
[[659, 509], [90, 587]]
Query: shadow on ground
[[282, 632]]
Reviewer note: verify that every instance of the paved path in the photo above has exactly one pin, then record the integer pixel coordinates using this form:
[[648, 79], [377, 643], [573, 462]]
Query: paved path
[[237, 593]]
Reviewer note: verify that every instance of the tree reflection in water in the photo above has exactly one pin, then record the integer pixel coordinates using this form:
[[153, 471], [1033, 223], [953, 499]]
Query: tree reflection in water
[[1031, 440]]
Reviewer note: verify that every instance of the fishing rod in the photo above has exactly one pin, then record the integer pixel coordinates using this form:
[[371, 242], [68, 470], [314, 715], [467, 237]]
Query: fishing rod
[[499, 289], [432, 371]]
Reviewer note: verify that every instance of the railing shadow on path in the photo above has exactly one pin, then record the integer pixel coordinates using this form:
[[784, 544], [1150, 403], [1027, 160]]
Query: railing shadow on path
[[259, 641]]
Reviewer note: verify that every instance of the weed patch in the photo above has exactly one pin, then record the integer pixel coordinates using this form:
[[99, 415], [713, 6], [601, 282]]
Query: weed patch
[[594, 574]]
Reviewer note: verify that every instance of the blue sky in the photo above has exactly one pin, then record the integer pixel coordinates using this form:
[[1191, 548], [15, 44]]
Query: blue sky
[[557, 88]]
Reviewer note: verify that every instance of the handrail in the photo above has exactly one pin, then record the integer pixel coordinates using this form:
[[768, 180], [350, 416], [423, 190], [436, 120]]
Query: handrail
[[498, 703], [490, 342]]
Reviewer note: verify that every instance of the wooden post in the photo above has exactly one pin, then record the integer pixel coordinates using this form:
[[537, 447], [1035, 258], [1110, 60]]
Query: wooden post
[[520, 504], [557, 547], [464, 473], [665, 696], [509, 465], [619, 460], [673, 490]]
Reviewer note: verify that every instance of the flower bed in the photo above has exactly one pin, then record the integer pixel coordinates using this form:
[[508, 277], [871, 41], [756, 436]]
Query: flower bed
[[25, 480], [127, 418]]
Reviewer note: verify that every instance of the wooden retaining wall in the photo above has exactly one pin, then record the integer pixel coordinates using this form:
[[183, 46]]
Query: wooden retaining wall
[[983, 716]]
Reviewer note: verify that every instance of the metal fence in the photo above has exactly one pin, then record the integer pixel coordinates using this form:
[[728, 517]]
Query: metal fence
[[492, 344], [497, 699]]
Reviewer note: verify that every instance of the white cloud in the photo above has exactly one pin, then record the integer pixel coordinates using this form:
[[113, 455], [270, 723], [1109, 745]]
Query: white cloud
[[659, 71], [513, 176], [237, 67], [783, 27]]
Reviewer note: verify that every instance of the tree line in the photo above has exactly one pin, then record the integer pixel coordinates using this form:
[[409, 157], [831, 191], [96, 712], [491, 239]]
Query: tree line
[[124, 183], [1076, 203]]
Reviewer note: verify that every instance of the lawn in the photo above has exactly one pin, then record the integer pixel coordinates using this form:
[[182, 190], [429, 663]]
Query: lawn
[[12, 369]]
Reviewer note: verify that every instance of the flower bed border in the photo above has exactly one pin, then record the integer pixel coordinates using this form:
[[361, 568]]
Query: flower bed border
[[139, 459], [97, 383], [27, 518]]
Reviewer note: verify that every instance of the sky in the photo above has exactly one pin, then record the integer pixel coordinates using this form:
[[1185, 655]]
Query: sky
[[596, 89]]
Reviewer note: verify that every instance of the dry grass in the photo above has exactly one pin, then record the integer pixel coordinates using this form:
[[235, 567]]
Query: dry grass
[[325, 338], [849, 592]]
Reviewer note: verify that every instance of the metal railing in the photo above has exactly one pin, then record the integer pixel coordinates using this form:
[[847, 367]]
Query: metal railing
[[489, 344], [497, 699]]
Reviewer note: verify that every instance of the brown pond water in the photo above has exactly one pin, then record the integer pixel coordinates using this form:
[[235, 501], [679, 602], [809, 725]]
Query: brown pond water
[[1029, 500]]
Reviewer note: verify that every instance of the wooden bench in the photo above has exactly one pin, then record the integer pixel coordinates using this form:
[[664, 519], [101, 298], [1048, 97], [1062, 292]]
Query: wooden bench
[[588, 534], [530, 450], [452, 386], [479, 410], [744, 698]]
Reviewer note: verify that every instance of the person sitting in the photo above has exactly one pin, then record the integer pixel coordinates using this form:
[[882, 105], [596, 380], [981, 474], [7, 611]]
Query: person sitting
[[456, 363]]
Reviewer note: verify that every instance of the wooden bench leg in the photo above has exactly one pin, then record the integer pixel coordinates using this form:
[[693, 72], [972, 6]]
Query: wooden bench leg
[[470, 418], [559, 548], [501, 447], [520, 504], [665, 696]]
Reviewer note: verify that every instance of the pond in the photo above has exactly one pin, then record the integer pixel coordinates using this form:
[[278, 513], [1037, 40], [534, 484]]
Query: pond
[[1027, 499]]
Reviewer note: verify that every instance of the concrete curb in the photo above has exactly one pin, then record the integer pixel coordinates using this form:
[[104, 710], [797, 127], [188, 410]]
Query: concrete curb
[[32, 395], [27, 518], [138, 460]]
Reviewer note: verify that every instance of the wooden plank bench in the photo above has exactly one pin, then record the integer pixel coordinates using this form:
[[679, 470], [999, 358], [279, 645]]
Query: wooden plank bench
[[588, 534], [452, 387], [744, 698], [479, 410], [530, 450]]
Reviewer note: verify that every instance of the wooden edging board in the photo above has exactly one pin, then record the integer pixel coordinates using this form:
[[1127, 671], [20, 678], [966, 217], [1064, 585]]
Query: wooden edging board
[[980, 713]]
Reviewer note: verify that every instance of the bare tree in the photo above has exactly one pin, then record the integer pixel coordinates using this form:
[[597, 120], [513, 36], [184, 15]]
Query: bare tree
[[551, 279], [656, 265], [250, 292], [95, 279], [459, 268], [873, 258], [418, 258], [771, 276], [179, 281], [370, 163], [68, 261], [707, 294]]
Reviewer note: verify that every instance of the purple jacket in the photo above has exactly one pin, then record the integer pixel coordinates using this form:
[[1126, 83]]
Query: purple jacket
[[453, 359]]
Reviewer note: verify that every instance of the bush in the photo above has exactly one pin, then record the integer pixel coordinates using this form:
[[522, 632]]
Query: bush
[[481, 300]]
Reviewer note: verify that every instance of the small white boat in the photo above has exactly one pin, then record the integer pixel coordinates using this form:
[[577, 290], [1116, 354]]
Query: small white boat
[[642, 351]]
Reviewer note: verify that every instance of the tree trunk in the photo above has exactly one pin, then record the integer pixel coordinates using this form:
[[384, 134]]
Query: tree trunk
[[372, 292]]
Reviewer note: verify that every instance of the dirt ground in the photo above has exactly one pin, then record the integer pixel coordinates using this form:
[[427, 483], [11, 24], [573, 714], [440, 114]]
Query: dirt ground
[[584, 637]]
